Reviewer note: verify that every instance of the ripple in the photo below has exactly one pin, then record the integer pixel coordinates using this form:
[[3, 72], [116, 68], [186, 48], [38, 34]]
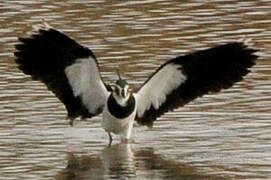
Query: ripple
[[218, 136]]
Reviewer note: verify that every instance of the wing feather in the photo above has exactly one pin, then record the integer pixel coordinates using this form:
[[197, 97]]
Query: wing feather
[[68, 69], [180, 80]]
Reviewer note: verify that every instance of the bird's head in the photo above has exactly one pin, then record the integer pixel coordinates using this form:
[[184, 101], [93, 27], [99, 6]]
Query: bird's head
[[121, 90]]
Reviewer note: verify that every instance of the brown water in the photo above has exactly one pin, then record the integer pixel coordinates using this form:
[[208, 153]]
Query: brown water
[[222, 136]]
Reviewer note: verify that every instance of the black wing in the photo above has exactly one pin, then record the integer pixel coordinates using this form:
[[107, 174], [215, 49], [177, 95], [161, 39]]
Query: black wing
[[68, 69], [180, 80]]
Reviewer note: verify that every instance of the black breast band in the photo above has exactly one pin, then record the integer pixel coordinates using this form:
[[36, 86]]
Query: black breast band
[[119, 111]]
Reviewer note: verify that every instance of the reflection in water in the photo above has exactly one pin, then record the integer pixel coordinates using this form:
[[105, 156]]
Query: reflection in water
[[115, 161], [119, 162]]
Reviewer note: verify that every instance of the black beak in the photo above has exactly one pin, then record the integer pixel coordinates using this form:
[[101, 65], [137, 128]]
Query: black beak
[[123, 93]]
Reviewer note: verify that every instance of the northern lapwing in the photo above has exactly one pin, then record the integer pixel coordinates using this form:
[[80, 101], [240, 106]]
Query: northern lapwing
[[71, 72]]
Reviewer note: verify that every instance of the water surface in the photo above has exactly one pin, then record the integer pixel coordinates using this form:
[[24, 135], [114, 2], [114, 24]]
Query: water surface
[[221, 136]]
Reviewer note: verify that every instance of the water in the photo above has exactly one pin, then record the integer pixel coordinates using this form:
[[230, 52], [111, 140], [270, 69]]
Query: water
[[222, 136]]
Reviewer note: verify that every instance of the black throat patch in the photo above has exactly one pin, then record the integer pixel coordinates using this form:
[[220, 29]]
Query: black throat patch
[[119, 111]]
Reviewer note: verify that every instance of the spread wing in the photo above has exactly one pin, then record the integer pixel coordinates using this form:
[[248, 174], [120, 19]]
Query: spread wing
[[180, 80], [68, 69]]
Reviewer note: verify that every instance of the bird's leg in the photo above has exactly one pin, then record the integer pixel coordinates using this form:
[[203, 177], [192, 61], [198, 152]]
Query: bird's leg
[[126, 135], [110, 139]]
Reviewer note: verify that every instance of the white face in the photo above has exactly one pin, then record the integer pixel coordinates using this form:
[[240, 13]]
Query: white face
[[121, 92]]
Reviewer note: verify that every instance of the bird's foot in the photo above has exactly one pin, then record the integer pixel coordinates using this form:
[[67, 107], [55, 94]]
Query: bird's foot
[[127, 141]]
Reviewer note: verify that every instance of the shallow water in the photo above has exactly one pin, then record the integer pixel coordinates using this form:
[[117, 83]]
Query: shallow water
[[221, 136]]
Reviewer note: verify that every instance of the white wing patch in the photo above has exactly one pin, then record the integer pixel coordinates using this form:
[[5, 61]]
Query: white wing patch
[[85, 80], [154, 92]]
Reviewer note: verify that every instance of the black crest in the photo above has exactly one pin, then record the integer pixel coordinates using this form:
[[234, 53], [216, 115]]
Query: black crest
[[121, 82]]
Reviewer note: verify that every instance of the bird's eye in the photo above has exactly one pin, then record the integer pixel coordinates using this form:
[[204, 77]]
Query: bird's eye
[[117, 91], [122, 93]]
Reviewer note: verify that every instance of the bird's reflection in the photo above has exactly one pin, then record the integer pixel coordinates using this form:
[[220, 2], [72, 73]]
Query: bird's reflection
[[120, 162], [115, 162]]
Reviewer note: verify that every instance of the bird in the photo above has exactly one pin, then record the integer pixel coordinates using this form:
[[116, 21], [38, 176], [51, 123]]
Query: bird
[[72, 72]]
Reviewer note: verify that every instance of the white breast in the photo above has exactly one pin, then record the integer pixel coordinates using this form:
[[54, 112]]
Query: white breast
[[115, 125]]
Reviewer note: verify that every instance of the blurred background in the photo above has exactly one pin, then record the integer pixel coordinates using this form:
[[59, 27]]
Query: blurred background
[[219, 136]]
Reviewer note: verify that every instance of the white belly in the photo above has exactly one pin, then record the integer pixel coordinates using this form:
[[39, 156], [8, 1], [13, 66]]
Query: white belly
[[123, 127]]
